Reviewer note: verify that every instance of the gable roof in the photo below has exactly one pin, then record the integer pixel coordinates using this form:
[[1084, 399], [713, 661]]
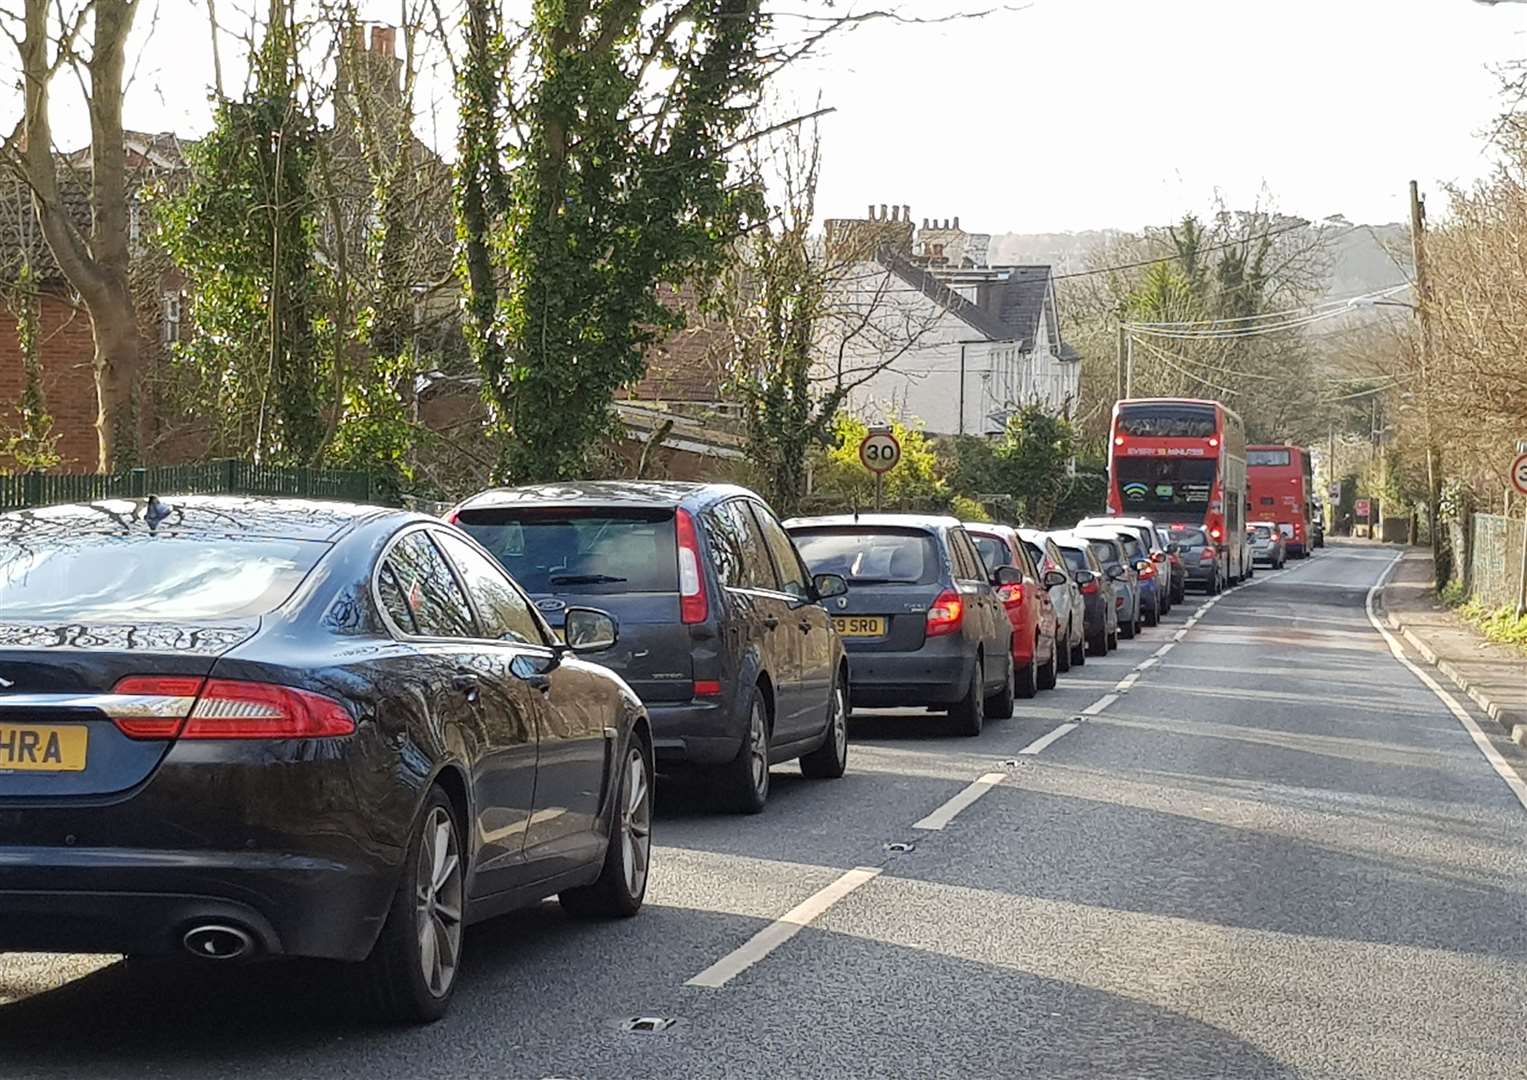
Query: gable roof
[[975, 316]]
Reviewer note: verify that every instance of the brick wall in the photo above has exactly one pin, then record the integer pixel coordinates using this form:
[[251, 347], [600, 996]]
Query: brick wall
[[68, 352]]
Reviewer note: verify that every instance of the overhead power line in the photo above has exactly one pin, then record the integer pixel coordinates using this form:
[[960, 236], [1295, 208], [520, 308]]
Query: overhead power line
[[1212, 247]]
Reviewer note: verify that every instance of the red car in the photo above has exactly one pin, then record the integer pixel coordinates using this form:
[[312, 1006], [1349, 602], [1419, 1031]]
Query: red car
[[1028, 606]]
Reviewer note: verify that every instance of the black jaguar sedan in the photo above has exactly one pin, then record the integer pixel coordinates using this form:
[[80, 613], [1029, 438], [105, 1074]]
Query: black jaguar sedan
[[235, 728]]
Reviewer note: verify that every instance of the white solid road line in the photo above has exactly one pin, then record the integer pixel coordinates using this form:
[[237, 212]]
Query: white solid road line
[[782, 929], [1045, 740], [1168, 647], [946, 813], [1149, 662], [1513, 781], [1126, 682]]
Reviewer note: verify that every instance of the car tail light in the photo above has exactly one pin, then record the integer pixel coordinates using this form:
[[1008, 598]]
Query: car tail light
[[1147, 571], [693, 606], [163, 707], [946, 613], [1208, 554], [1089, 586], [1213, 441], [229, 709], [1215, 534], [1118, 440], [1011, 595], [707, 687], [152, 706], [453, 518]]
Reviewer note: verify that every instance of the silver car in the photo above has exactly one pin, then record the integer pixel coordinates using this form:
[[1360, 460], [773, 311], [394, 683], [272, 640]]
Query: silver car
[[1070, 615]]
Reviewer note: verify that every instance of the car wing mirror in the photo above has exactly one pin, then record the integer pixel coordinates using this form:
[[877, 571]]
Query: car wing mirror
[[829, 585], [1116, 573], [1007, 575], [589, 630], [1053, 578]]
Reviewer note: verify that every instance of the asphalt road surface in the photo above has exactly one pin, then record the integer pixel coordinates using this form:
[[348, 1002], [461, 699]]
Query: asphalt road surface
[[1264, 849]]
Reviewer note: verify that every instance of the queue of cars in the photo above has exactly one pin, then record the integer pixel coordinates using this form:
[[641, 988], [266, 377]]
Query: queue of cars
[[239, 727]]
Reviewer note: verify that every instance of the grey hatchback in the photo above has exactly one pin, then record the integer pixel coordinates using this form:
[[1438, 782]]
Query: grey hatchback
[[722, 631], [922, 622]]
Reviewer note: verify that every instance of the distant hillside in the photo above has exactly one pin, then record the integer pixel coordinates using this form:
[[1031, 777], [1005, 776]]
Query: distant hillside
[[1364, 258]]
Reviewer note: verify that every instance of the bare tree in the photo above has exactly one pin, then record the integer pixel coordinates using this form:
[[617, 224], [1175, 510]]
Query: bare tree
[[95, 261]]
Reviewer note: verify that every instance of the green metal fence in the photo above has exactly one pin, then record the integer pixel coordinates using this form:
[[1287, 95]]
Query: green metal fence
[[229, 477]]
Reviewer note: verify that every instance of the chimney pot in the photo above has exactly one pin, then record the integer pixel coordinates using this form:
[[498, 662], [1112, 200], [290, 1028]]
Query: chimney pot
[[956, 223], [870, 213], [925, 223], [382, 39], [883, 215], [906, 212]]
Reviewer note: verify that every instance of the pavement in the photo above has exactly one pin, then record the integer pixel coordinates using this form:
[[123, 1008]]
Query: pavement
[[1493, 676], [1251, 843]]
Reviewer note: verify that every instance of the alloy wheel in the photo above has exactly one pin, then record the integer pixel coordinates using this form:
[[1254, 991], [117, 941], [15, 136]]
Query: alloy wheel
[[439, 902], [758, 747], [636, 823], [839, 723]]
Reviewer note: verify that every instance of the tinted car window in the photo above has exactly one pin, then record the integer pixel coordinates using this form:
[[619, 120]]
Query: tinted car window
[[568, 550], [966, 562], [1105, 551], [394, 600], [870, 556], [1189, 537], [756, 569], [71, 574], [792, 575], [439, 607], [1262, 532], [505, 613], [1036, 555]]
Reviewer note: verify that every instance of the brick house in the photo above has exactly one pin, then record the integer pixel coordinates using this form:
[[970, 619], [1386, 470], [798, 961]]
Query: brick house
[[65, 338]]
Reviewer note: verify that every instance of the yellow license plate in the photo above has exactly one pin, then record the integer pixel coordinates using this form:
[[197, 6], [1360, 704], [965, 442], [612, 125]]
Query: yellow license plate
[[860, 625], [37, 748]]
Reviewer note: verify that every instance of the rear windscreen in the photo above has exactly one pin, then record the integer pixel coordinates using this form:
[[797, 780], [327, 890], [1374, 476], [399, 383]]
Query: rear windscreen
[[1105, 551], [994, 552], [572, 550], [1266, 457], [1188, 537], [871, 556], [1262, 532], [1076, 558], [115, 578]]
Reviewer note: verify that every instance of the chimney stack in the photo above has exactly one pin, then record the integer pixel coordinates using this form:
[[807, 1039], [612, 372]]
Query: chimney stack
[[870, 213], [906, 212], [956, 223], [883, 212], [925, 223], [383, 40]]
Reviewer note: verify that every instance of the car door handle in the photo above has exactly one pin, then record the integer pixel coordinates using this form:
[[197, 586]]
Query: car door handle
[[805, 625], [466, 683], [771, 621]]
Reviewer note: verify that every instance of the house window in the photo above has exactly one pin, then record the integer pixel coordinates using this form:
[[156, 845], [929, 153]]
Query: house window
[[169, 317]]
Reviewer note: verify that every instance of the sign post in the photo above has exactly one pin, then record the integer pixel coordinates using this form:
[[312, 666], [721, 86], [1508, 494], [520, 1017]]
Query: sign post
[[879, 451], [1361, 509], [1519, 482]]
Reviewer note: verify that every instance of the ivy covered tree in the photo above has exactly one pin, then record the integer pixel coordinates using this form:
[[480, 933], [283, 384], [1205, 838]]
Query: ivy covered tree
[[243, 231], [30, 444]]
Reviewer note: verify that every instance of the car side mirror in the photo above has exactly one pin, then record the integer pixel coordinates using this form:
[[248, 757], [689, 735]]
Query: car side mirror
[[589, 630], [1116, 573], [1084, 577], [1007, 575], [1053, 578], [1158, 556], [829, 585], [1175, 549], [1142, 565]]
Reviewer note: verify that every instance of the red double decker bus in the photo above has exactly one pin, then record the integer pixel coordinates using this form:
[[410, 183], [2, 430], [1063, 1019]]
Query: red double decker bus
[[1181, 461], [1279, 486]]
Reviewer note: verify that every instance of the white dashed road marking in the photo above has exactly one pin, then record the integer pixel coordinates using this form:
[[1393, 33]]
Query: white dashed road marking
[[946, 813], [1045, 740], [782, 929]]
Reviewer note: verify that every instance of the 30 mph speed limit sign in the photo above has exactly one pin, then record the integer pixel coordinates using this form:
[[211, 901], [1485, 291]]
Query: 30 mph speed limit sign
[[879, 451], [1518, 473]]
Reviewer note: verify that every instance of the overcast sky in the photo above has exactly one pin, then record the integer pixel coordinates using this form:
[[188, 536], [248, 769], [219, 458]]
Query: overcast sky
[[1076, 114]]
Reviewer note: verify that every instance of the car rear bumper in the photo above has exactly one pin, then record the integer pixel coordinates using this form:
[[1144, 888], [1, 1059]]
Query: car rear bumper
[[699, 732], [937, 674], [144, 901]]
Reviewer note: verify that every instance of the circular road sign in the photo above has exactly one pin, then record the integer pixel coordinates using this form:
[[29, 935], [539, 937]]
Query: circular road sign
[[1518, 473], [879, 451]]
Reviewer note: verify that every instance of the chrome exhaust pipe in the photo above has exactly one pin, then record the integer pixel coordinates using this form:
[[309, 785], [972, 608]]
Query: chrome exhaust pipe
[[217, 942]]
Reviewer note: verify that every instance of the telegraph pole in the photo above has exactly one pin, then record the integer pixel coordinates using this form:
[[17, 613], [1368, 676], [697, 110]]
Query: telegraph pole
[[1424, 313], [1123, 348]]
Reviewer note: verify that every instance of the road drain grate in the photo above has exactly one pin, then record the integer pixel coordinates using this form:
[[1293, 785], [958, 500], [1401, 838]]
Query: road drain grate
[[900, 847], [649, 1025]]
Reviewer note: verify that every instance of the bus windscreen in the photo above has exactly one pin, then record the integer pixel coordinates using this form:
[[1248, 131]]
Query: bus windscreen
[[1151, 486], [1168, 421], [1255, 458]]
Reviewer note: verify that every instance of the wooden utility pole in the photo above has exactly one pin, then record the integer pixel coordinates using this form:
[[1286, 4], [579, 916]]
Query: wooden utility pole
[[1424, 313], [1123, 346]]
